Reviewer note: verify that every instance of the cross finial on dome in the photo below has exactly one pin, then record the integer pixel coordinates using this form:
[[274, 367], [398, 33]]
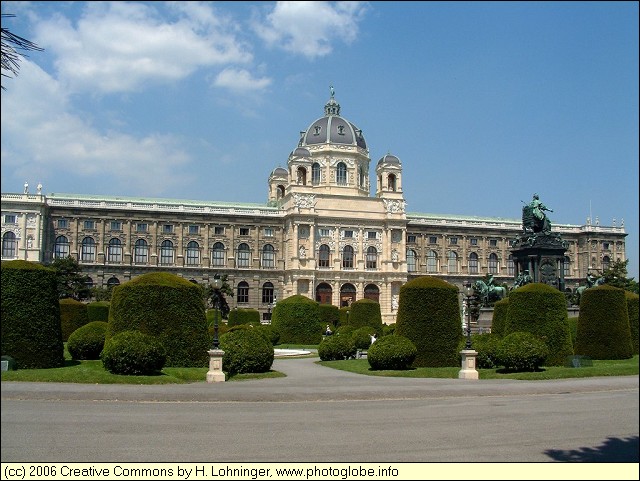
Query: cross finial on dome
[[332, 91]]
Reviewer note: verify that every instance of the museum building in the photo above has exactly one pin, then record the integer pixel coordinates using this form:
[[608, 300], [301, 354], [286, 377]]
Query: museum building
[[321, 232]]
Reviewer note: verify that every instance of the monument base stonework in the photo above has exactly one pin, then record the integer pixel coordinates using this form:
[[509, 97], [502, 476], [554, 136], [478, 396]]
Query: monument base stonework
[[215, 373], [468, 370]]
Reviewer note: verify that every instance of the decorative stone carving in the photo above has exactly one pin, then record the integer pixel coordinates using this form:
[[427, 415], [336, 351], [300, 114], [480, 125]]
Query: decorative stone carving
[[394, 206], [304, 201]]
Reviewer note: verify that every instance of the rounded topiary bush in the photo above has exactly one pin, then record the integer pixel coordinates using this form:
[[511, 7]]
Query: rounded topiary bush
[[499, 320], [362, 337], [296, 319], [73, 314], [269, 332], [329, 314], [632, 308], [366, 312], [573, 328], [133, 353], [337, 348], [521, 351], [167, 307], [486, 345], [604, 330], [239, 316], [344, 330], [31, 330], [98, 311], [392, 353], [541, 310], [87, 341], [388, 329], [429, 316], [245, 351]]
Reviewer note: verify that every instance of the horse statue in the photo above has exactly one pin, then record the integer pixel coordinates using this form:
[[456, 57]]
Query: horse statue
[[534, 219], [592, 281], [489, 293]]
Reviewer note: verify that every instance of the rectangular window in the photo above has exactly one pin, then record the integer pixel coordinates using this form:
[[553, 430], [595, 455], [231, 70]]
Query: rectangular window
[[244, 231], [474, 241], [218, 230], [433, 239], [140, 227], [167, 228], [268, 232], [63, 223], [10, 219], [493, 243], [453, 240], [194, 229], [89, 224], [324, 232], [372, 235], [411, 239], [605, 246], [348, 234], [116, 225]]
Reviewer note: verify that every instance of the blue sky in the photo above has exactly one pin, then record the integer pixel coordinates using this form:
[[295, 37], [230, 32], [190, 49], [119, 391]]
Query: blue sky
[[484, 103]]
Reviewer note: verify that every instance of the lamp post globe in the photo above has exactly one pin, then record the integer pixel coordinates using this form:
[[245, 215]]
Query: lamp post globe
[[468, 292], [216, 284]]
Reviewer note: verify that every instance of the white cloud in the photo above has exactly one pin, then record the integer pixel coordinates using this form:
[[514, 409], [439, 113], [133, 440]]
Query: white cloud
[[42, 136], [240, 80], [120, 46], [311, 28]]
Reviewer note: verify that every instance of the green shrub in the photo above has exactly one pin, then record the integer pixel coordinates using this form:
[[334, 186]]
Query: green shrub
[[392, 353], [486, 345], [522, 351], [429, 316], [73, 314], [362, 337], [329, 314], [87, 341], [98, 311], [388, 329], [366, 312], [344, 330], [296, 319], [31, 330], [573, 328], [604, 331], [337, 347], [269, 332], [343, 316], [246, 351], [632, 308], [243, 316], [167, 307], [133, 353], [541, 310], [499, 320]]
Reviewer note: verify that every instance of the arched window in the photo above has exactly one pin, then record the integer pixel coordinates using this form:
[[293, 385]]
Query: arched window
[[372, 258], [347, 257], [280, 191], [606, 263], [88, 282], [114, 251], [341, 173], [411, 260], [361, 177], [112, 282], [566, 266], [493, 263], [473, 263], [511, 267], [244, 255], [452, 262], [166, 253], [372, 292], [315, 173], [141, 252], [323, 256], [61, 248], [243, 292], [9, 245], [88, 250], [268, 256], [347, 295], [217, 255], [324, 293], [391, 179], [432, 262], [267, 293], [193, 253], [302, 176]]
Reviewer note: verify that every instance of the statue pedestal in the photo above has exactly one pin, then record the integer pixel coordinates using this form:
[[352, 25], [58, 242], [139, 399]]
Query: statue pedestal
[[215, 373], [468, 370]]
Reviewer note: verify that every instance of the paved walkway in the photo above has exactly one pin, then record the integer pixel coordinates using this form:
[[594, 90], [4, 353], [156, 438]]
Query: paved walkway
[[308, 381]]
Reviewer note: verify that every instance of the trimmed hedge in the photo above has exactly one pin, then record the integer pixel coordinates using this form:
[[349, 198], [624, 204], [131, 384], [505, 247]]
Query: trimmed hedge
[[362, 337], [337, 348], [31, 330], [603, 324], [329, 314], [87, 341], [499, 320], [392, 353], [486, 345], [73, 315], [245, 351], [632, 308], [239, 316], [429, 316], [167, 307], [522, 351], [366, 313], [98, 311], [541, 310], [133, 353], [296, 319]]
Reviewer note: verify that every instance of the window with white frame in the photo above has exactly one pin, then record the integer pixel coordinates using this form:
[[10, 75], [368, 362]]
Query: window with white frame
[[323, 255], [411, 260], [268, 231], [89, 225], [141, 252], [166, 253], [193, 253], [88, 250], [61, 247], [372, 258], [341, 173], [432, 262], [217, 255], [493, 263], [268, 256], [347, 257], [9, 245], [452, 262], [114, 250], [244, 255], [473, 263]]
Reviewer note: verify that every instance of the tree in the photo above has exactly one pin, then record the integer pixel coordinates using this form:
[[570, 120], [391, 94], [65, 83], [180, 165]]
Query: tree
[[215, 298], [616, 275], [12, 44], [71, 283]]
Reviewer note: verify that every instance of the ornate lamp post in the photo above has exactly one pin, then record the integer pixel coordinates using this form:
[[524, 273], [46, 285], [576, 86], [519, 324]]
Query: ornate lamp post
[[468, 370], [468, 293], [215, 373]]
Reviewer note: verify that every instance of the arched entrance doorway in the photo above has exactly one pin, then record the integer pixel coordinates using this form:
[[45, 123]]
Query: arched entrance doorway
[[324, 293], [347, 295], [372, 292]]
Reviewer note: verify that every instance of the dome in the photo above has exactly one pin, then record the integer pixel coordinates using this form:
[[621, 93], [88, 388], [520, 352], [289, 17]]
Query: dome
[[332, 129], [279, 172], [301, 152], [389, 159]]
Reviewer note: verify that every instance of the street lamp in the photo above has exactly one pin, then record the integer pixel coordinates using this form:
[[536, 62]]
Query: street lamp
[[216, 284], [468, 293]]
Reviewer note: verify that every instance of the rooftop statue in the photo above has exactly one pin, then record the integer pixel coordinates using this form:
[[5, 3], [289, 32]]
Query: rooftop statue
[[534, 218]]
